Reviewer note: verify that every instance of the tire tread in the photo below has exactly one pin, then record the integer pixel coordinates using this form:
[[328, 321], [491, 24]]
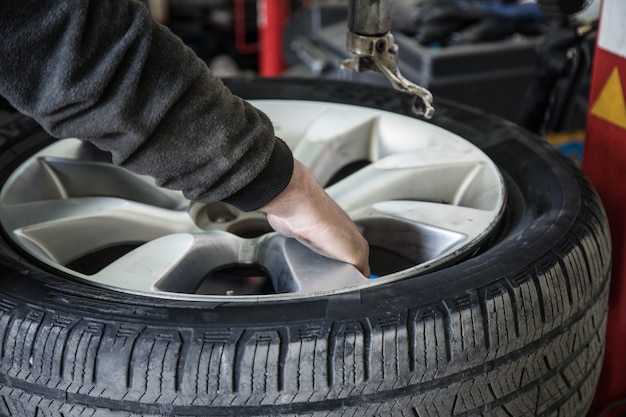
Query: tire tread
[[528, 343]]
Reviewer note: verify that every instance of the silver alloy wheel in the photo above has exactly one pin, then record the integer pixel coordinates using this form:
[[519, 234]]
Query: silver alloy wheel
[[421, 195]]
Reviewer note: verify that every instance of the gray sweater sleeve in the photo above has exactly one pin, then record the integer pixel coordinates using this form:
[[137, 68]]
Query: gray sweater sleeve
[[104, 71]]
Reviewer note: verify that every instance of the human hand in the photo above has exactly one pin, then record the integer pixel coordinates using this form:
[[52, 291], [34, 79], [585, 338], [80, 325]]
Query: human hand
[[305, 212]]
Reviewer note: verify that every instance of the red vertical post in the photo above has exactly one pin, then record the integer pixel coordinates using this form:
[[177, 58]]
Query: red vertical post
[[604, 163], [272, 15]]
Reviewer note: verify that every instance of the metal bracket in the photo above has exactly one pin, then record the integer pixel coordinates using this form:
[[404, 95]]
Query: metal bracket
[[380, 54]]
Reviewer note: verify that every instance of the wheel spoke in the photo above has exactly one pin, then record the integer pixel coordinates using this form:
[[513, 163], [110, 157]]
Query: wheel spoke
[[334, 140], [51, 177], [407, 177], [467, 221], [67, 229], [291, 122], [421, 231], [173, 263], [108, 180], [296, 269]]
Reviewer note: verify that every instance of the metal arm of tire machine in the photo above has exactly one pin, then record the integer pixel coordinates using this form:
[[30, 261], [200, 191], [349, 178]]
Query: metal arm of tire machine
[[370, 39]]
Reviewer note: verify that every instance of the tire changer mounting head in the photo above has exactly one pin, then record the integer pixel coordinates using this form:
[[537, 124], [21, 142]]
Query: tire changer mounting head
[[370, 39]]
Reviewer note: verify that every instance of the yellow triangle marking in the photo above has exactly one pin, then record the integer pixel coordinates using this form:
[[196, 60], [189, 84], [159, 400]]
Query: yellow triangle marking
[[610, 105]]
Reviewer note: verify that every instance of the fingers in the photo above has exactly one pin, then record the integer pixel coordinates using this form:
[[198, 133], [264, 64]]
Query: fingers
[[335, 239], [304, 211]]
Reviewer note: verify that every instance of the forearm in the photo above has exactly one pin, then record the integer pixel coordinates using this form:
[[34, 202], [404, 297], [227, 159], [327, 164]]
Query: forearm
[[106, 72]]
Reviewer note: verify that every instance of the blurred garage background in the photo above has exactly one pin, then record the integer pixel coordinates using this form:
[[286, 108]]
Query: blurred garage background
[[511, 58]]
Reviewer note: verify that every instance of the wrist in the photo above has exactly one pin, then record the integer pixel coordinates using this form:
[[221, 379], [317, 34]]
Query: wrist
[[291, 199], [271, 181]]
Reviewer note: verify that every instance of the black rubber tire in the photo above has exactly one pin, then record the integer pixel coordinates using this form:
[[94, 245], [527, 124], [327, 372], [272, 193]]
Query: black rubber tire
[[516, 330]]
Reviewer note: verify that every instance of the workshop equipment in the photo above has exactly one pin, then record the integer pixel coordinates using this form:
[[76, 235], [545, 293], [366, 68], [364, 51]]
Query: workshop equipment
[[370, 39]]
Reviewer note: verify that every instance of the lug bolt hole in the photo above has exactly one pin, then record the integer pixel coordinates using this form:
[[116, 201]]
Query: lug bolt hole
[[205, 215], [219, 213]]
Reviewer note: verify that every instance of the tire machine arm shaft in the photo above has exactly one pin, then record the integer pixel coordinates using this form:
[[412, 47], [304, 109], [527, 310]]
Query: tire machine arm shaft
[[370, 39]]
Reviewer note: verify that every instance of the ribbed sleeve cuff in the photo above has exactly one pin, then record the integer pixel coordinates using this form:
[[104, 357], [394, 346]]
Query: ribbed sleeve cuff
[[269, 183]]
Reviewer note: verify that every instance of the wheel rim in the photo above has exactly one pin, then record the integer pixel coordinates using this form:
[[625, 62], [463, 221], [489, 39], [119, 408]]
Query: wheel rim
[[422, 196]]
